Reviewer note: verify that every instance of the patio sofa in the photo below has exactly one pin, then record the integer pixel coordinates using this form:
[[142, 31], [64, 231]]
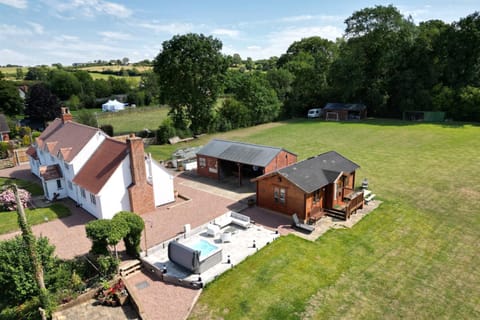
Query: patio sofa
[[233, 217]]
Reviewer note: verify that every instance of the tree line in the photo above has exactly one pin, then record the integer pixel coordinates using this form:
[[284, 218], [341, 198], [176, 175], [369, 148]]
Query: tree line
[[383, 60]]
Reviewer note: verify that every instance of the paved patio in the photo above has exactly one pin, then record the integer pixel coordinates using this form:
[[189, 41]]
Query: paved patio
[[242, 243]]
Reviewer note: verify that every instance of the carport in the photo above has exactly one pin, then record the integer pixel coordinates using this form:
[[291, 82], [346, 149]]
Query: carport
[[221, 159]]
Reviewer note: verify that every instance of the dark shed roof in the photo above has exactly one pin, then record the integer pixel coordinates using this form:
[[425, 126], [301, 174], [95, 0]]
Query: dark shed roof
[[252, 154], [345, 106], [316, 172], [3, 124]]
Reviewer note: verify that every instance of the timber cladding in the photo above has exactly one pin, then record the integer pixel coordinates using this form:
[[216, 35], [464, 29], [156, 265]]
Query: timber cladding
[[207, 166], [269, 195]]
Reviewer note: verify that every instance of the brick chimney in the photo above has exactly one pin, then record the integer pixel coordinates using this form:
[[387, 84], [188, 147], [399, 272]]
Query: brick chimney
[[66, 115], [140, 191]]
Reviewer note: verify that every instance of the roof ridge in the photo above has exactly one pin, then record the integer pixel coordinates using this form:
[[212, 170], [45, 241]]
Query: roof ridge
[[249, 143]]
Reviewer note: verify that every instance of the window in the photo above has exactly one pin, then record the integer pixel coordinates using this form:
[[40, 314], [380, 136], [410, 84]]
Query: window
[[316, 196], [279, 195], [82, 192], [70, 186], [59, 184], [202, 162], [92, 199], [282, 195]]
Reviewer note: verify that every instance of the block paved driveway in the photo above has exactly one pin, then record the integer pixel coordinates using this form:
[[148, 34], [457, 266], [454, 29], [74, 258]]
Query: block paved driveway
[[159, 300]]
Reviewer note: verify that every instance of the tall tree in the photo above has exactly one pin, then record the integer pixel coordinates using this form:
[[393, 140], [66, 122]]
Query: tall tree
[[64, 84], [369, 57], [41, 104], [191, 69], [10, 102]]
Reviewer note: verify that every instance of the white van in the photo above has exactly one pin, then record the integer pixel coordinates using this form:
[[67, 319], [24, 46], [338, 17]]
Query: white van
[[314, 113]]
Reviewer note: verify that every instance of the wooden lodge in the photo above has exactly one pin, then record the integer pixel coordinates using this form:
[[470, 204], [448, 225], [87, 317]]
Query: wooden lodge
[[220, 159], [319, 185]]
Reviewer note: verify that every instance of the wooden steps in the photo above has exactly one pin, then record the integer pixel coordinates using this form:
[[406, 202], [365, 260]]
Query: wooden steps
[[335, 214], [129, 267]]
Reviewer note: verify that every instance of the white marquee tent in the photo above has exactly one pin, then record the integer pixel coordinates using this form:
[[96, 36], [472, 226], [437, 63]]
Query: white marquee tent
[[113, 105]]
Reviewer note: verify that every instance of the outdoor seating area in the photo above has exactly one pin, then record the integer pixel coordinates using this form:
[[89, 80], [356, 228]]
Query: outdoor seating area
[[198, 257]]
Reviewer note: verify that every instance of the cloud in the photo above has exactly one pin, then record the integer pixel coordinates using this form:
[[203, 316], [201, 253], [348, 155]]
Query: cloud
[[15, 57], [112, 35], [297, 18], [37, 28], [171, 28], [226, 32], [19, 4], [92, 8], [12, 30], [276, 43]]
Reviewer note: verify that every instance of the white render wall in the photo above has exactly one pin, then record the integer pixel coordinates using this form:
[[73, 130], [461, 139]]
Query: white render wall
[[113, 197], [163, 189]]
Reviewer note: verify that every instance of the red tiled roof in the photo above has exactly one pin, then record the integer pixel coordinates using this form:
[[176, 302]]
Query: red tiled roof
[[101, 165], [59, 135], [32, 152], [51, 172]]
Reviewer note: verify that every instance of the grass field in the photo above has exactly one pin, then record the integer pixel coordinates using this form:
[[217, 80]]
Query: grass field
[[133, 120], [414, 257]]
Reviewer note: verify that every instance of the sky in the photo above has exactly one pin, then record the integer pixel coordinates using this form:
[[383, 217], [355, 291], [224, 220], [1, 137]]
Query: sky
[[52, 31]]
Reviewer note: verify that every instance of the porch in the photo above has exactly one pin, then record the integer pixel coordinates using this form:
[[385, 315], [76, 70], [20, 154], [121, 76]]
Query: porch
[[352, 201]]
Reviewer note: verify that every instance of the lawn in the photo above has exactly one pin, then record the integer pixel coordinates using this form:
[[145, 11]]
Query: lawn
[[414, 257], [9, 220], [34, 188]]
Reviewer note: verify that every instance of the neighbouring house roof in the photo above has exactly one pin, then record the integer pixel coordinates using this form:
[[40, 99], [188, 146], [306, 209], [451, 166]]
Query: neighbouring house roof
[[316, 172], [32, 152], [67, 138], [51, 172], [101, 165], [4, 128], [251, 154], [345, 106]]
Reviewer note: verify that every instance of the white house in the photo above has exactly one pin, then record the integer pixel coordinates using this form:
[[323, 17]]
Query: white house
[[99, 173]]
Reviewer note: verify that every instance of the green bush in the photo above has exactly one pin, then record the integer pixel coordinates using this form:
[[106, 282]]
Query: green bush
[[107, 265], [165, 131], [108, 129], [134, 235]]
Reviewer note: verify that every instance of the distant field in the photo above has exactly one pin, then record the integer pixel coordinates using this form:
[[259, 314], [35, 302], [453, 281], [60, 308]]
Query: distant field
[[115, 68], [133, 120], [414, 257], [133, 81]]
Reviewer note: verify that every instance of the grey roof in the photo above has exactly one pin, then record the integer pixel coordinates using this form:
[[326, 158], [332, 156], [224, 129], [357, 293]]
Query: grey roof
[[345, 106], [246, 153], [3, 123], [319, 171], [186, 153]]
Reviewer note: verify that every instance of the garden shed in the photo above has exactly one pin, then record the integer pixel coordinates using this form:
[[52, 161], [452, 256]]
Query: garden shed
[[345, 111], [429, 116]]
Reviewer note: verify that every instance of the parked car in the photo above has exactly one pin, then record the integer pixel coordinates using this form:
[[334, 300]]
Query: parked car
[[314, 113]]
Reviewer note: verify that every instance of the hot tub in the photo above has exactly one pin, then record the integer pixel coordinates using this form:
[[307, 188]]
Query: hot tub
[[196, 257]]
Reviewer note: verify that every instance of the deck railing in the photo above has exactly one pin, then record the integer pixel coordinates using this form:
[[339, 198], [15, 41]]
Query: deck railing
[[356, 202]]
